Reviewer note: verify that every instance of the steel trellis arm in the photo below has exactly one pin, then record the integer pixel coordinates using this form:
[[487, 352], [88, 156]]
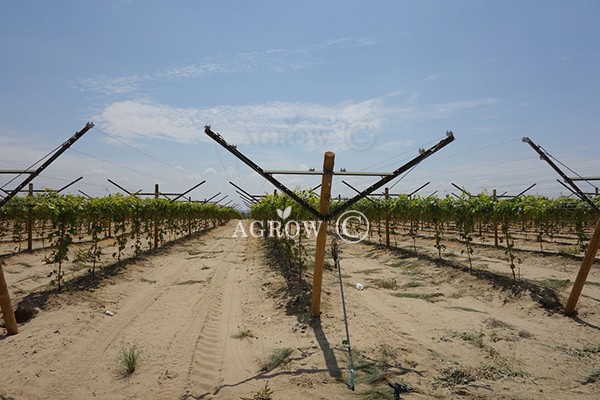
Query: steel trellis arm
[[49, 161], [233, 150], [325, 217]]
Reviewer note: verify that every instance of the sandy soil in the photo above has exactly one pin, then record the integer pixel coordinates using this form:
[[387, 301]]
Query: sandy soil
[[184, 306]]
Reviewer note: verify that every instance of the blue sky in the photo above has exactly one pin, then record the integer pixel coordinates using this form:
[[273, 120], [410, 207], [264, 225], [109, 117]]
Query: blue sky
[[286, 81]]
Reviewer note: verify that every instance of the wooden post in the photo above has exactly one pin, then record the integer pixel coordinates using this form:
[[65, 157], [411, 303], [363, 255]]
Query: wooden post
[[156, 194], [495, 227], [10, 322], [30, 221], [586, 265], [315, 304], [387, 219]]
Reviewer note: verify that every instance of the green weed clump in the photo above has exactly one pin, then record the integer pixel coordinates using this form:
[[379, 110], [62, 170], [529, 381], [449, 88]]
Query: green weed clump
[[279, 356], [129, 358], [263, 394]]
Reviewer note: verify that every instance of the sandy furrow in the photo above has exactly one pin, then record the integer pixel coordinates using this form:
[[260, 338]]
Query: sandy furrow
[[163, 313]]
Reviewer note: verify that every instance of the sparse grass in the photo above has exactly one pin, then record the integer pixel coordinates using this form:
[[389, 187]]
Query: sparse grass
[[142, 279], [386, 283], [129, 358], [525, 334], [77, 267], [188, 282], [593, 283], [593, 377], [10, 271], [412, 284], [569, 250], [468, 309], [553, 284], [279, 356], [205, 267], [424, 296], [370, 271], [387, 354], [371, 254], [24, 264], [411, 270], [460, 374], [493, 323], [594, 348], [475, 338], [32, 277], [437, 355], [263, 394], [401, 263], [246, 333], [449, 254], [377, 392]]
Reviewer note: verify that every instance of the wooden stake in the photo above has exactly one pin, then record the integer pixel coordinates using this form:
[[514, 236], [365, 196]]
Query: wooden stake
[[156, 194], [30, 221], [495, 227], [387, 219], [586, 265], [10, 322], [315, 304]]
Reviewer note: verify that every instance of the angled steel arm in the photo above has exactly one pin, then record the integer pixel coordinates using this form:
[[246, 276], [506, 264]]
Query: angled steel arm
[[85, 194], [419, 188], [358, 191], [187, 191], [576, 189], [49, 161], [72, 183], [422, 156], [526, 190], [233, 150], [121, 187], [247, 194]]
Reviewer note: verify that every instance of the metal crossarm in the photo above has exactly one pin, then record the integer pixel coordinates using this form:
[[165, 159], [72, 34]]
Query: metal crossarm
[[578, 192], [49, 161], [233, 150], [386, 176], [422, 156]]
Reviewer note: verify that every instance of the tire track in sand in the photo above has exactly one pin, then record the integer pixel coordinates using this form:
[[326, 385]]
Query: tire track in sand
[[195, 311]]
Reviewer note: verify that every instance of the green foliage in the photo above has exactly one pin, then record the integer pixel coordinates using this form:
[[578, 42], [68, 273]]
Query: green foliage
[[129, 358], [70, 217], [263, 394], [279, 356]]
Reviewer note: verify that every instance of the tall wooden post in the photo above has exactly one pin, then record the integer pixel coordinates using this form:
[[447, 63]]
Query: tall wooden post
[[495, 226], [586, 265], [156, 194], [387, 219], [315, 304], [10, 322], [30, 221]]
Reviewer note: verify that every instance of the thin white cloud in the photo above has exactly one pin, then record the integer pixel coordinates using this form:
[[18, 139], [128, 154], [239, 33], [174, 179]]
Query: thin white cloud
[[433, 77], [276, 60], [309, 126], [394, 145]]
